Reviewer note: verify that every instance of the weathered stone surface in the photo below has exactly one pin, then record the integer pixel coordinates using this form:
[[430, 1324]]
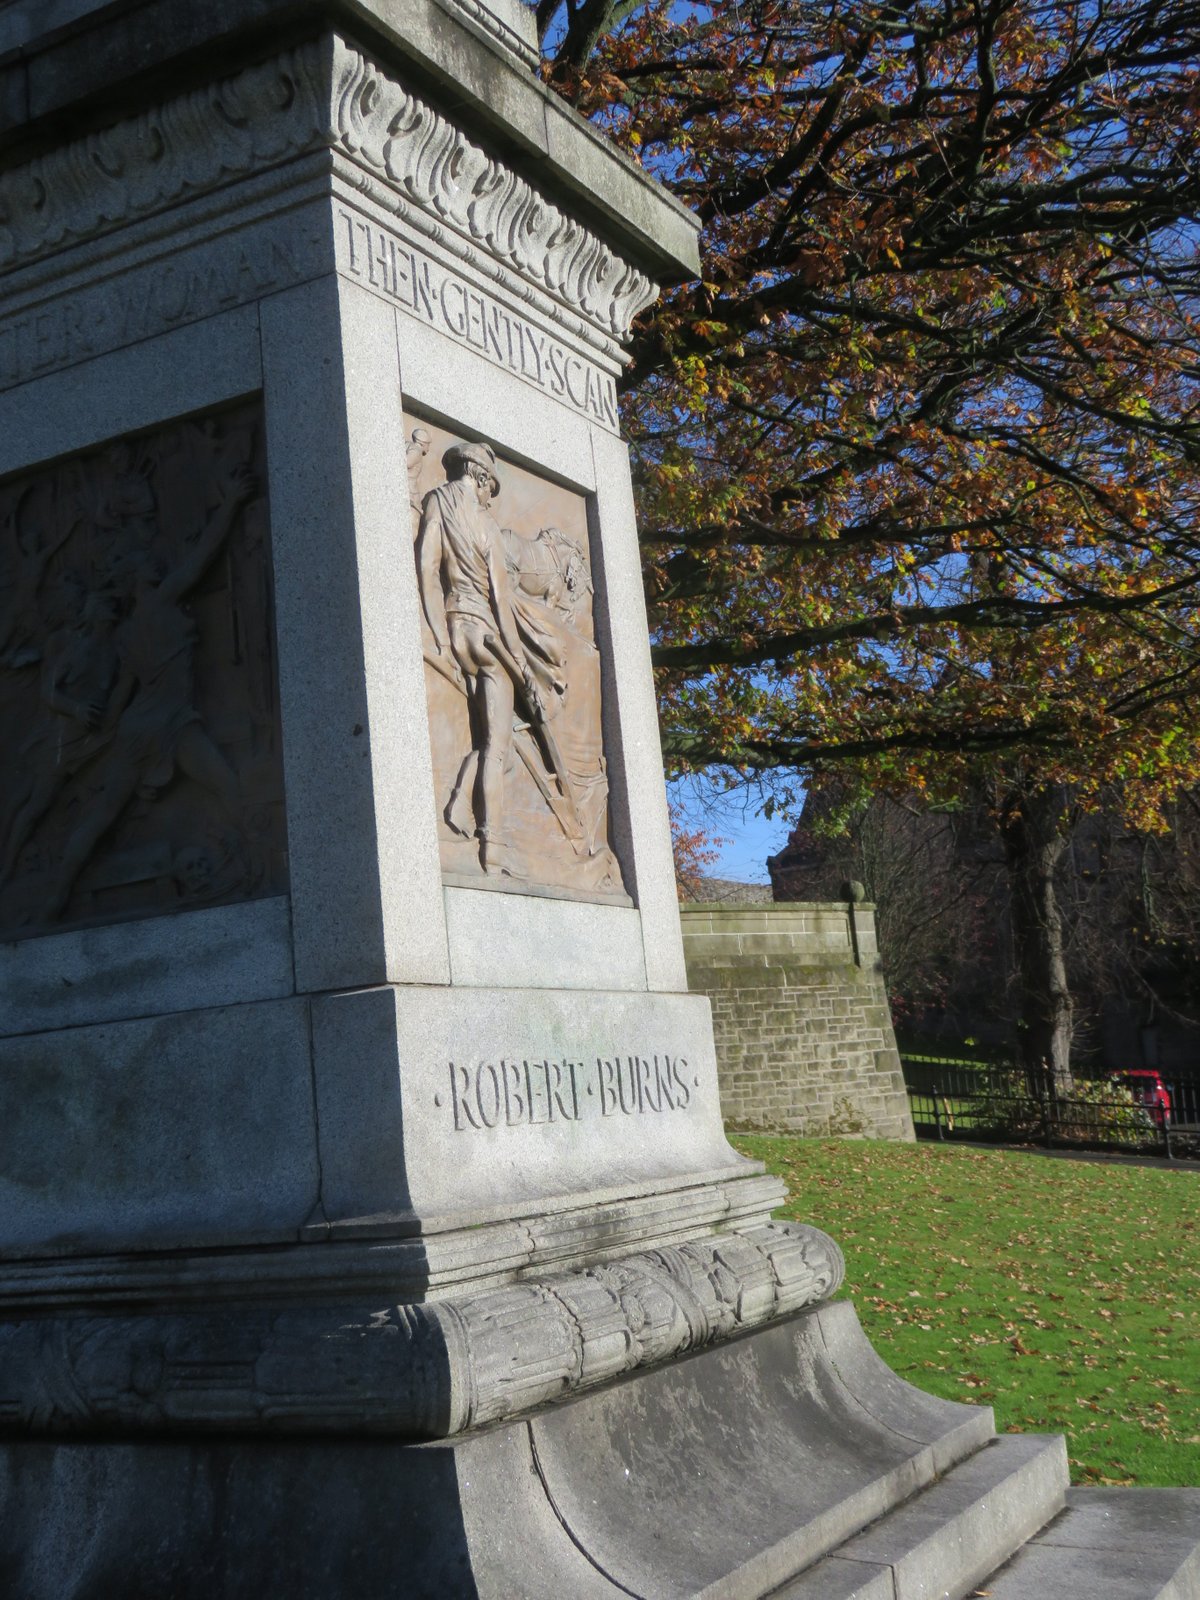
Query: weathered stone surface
[[791, 1462], [509, 401], [803, 1033], [722, 1474], [331, 93], [563, 944], [354, 1264], [953, 1536], [275, 1520], [361, 825], [195, 1128], [102, 58], [134, 387], [773, 1427], [137, 681], [435, 1108], [167, 279], [225, 955], [412, 1370], [462, 1104], [446, 285], [21, 23], [641, 828], [1111, 1544]]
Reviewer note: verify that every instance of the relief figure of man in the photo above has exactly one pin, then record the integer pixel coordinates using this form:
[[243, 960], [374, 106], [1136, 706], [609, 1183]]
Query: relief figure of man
[[468, 606], [151, 726], [79, 664], [414, 460]]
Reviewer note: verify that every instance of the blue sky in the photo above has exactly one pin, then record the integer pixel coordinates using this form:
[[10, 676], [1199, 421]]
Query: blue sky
[[749, 837], [745, 857]]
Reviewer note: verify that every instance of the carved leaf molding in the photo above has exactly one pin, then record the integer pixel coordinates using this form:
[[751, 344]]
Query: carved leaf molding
[[301, 100], [587, 1327], [190, 144], [425, 1370], [434, 165]]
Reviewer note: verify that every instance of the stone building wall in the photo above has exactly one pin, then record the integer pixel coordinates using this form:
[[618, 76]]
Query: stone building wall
[[800, 1014]]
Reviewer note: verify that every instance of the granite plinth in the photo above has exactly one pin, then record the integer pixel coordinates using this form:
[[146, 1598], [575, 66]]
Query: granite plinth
[[719, 1475], [790, 1463], [144, 324], [386, 1111]]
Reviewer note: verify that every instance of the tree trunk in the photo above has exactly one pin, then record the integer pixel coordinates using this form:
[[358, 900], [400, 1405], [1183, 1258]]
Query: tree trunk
[[1034, 828]]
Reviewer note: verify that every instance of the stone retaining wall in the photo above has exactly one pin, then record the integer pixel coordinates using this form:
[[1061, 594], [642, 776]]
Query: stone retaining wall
[[803, 1031]]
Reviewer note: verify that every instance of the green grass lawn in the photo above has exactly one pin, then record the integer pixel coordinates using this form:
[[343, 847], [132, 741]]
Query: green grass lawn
[[1066, 1294]]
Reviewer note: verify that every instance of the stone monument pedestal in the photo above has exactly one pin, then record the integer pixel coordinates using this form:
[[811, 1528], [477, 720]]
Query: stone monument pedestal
[[366, 1218], [722, 1474]]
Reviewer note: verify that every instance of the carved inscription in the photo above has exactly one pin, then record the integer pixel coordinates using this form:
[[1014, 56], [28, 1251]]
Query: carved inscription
[[307, 100], [139, 304], [427, 291], [513, 1094], [512, 672], [137, 684]]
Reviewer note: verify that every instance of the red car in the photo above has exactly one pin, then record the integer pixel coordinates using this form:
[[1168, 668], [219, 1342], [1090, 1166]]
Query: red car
[[1148, 1091]]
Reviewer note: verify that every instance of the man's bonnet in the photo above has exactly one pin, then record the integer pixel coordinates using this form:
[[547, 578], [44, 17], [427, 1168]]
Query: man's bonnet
[[460, 456]]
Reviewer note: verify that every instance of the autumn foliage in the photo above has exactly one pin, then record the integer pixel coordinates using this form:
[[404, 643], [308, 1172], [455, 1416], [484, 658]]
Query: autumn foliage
[[696, 849], [919, 457]]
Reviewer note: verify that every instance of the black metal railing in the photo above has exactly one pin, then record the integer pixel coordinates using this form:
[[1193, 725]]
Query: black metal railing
[[960, 1098]]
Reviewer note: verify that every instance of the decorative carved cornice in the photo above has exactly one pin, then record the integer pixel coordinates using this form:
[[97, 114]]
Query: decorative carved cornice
[[430, 161], [324, 95], [186, 146], [424, 1370]]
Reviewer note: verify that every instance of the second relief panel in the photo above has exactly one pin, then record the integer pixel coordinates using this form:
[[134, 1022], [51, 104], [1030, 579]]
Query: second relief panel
[[512, 671], [138, 707]]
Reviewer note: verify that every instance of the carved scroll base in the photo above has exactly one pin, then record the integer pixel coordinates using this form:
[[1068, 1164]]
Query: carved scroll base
[[418, 1371]]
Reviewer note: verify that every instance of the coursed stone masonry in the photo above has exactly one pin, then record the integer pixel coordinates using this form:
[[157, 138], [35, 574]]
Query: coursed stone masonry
[[800, 1015]]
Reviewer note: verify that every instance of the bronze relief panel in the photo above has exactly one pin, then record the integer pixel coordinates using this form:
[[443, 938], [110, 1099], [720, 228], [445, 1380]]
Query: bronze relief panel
[[138, 703], [512, 671]]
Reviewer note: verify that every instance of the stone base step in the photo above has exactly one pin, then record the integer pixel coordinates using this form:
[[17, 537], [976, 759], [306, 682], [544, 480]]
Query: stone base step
[[1111, 1544], [791, 1463], [946, 1540], [720, 1475]]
